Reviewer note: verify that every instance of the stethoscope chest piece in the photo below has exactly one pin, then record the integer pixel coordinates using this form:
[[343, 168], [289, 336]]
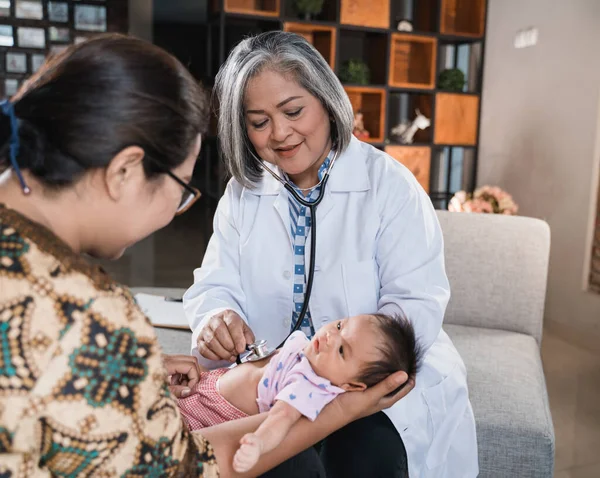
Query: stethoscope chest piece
[[257, 351]]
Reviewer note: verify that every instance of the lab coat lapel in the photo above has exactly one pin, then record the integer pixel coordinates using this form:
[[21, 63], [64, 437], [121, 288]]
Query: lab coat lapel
[[282, 207]]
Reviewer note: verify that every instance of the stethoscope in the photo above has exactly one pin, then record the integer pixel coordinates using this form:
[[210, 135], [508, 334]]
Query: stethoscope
[[259, 349]]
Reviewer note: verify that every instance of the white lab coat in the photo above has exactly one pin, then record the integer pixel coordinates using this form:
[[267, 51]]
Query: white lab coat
[[379, 248]]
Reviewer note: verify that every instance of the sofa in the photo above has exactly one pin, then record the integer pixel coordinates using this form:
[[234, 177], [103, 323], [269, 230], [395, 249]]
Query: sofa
[[497, 266]]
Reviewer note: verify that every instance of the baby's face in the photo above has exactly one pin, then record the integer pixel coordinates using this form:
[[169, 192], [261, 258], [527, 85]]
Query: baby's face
[[340, 350]]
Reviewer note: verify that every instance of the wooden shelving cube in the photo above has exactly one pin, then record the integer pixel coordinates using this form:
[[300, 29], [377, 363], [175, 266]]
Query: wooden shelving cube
[[402, 108], [456, 119], [416, 158], [421, 13], [321, 37], [369, 47], [371, 102], [267, 8], [365, 13], [462, 17], [412, 61]]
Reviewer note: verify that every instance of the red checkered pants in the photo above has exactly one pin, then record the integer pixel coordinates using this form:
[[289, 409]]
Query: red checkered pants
[[205, 406]]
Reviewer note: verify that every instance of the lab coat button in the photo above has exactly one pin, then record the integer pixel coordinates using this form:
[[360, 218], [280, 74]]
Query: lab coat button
[[287, 275], [287, 322]]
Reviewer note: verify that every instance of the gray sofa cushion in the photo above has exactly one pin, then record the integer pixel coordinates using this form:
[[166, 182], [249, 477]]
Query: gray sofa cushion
[[508, 394]]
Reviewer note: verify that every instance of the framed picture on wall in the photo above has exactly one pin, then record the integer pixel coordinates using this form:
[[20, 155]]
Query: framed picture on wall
[[30, 9], [90, 18], [58, 12], [31, 37], [16, 62], [6, 35], [37, 60], [5, 8], [10, 86], [61, 35]]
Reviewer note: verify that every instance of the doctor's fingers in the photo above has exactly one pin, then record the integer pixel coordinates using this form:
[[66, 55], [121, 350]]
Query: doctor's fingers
[[240, 333], [214, 346], [206, 352]]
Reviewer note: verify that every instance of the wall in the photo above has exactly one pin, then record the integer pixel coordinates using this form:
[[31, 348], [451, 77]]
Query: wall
[[539, 127]]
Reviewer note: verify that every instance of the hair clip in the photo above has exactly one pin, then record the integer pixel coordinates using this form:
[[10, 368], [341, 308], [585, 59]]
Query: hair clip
[[8, 109]]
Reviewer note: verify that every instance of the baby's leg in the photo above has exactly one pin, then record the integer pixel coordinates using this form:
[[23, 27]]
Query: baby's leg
[[205, 407]]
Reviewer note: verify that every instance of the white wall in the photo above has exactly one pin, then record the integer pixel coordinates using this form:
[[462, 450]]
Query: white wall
[[539, 126]]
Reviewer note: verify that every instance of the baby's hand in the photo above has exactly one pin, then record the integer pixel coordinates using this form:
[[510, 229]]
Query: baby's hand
[[248, 453]]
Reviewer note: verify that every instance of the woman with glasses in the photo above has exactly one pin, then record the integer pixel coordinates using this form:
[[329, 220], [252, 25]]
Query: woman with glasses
[[97, 150]]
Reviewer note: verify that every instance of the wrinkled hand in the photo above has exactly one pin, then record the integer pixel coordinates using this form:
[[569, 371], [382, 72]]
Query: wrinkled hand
[[248, 453], [224, 337], [374, 399], [184, 373]]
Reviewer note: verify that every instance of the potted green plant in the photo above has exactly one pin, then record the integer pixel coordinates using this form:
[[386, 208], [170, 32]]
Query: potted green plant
[[355, 72], [309, 7], [451, 79]]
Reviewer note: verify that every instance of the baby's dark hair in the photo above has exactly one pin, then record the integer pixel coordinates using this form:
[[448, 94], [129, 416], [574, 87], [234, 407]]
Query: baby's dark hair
[[399, 350]]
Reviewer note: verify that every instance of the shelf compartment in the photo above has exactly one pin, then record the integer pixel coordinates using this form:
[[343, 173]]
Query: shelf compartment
[[467, 57], [416, 158], [421, 13], [456, 119], [452, 170], [266, 8], [365, 13], [369, 47], [371, 102], [412, 61], [328, 13], [321, 37], [402, 109], [462, 17]]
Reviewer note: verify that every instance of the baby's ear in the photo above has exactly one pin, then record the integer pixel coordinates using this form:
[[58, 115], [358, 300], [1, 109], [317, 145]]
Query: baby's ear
[[353, 387]]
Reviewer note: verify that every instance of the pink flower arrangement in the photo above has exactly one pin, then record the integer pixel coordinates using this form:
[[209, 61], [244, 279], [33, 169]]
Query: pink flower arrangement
[[486, 199]]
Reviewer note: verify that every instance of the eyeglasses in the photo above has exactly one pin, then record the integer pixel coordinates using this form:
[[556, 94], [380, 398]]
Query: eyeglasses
[[190, 194], [188, 198]]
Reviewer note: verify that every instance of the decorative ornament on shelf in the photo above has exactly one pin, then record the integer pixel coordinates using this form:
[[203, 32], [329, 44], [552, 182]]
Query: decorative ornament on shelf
[[486, 199], [359, 127], [405, 131], [403, 25], [355, 72], [309, 7], [451, 79]]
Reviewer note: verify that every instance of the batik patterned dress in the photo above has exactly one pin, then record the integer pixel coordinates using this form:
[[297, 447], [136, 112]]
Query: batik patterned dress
[[83, 390]]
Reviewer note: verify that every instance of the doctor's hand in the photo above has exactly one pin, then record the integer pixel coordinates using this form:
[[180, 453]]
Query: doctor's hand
[[224, 337], [377, 398]]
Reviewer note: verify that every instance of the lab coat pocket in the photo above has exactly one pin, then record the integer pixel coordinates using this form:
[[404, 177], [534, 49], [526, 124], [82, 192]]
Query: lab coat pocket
[[360, 287], [444, 405]]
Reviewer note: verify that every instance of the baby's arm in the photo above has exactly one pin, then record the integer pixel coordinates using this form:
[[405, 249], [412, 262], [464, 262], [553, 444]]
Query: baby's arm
[[269, 434]]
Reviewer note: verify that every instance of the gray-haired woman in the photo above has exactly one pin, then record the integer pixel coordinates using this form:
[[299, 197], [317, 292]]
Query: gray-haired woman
[[379, 249]]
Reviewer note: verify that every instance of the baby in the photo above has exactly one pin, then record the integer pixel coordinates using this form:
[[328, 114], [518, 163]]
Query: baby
[[304, 376]]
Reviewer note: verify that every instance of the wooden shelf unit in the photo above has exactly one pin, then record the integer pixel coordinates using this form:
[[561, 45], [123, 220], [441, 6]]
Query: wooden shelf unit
[[323, 38], [463, 17], [412, 61], [404, 71], [267, 8], [371, 102]]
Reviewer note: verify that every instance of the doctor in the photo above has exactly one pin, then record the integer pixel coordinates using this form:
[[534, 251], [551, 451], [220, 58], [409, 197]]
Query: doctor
[[379, 248]]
